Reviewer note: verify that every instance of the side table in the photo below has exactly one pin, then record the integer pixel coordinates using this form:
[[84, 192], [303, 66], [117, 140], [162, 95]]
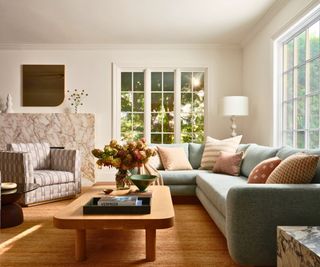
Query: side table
[[11, 212], [298, 246]]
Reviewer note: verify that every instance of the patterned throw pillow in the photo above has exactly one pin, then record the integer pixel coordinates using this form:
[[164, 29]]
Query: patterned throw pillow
[[174, 158], [295, 169], [262, 171], [213, 147], [228, 163]]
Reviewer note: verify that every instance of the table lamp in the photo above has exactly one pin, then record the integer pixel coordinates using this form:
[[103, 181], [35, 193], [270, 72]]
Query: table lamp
[[235, 106]]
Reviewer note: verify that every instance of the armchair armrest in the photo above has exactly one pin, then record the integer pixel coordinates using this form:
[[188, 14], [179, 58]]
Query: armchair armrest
[[67, 160], [16, 167], [254, 212]]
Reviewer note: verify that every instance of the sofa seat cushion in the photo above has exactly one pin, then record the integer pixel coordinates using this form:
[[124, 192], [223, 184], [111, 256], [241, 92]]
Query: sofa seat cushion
[[47, 177], [216, 186], [181, 177]]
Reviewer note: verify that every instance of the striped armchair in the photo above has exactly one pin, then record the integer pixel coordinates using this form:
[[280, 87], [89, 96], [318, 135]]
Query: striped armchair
[[57, 171]]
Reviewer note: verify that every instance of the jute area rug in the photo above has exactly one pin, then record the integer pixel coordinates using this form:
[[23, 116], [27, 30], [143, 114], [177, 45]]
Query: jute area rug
[[193, 241]]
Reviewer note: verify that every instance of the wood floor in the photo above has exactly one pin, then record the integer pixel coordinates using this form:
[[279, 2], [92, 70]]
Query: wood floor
[[193, 241]]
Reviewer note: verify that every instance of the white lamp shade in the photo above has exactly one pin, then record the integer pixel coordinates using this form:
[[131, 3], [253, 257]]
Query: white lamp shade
[[235, 106]]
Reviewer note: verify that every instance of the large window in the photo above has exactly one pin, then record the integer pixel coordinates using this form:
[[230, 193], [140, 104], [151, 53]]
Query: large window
[[163, 106], [300, 85]]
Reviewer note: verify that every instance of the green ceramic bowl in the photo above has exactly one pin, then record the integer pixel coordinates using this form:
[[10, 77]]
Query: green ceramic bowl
[[142, 181]]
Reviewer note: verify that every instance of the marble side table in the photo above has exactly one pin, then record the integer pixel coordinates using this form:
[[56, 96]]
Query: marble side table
[[298, 246]]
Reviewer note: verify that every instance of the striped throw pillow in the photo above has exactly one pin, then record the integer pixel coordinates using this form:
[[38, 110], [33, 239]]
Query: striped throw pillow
[[213, 147]]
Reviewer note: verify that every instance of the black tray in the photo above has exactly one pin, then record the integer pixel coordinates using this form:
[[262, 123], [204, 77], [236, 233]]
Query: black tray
[[92, 208]]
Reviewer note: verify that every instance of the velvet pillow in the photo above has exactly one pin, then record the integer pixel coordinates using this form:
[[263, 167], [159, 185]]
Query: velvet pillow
[[228, 163], [174, 158], [262, 171], [296, 169], [213, 147]]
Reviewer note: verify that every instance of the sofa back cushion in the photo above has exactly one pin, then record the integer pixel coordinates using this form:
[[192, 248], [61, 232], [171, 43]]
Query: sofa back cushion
[[40, 153], [254, 155], [195, 154], [242, 147], [286, 151]]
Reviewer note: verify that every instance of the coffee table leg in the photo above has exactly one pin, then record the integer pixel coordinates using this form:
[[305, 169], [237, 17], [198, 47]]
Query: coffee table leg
[[80, 245], [150, 244]]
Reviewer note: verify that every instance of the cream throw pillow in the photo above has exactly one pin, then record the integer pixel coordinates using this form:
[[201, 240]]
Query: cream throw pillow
[[213, 147], [296, 169], [174, 158]]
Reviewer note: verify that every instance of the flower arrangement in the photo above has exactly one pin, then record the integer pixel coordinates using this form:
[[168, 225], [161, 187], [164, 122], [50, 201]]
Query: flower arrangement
[[76, 98], [124, 157]]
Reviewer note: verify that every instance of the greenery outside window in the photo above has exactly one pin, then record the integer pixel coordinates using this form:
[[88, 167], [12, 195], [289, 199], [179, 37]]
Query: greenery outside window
[[300, 86], [162, 106]]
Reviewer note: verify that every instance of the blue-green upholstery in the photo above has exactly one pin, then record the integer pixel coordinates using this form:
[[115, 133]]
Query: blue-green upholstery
[[248, 214], [216, 186], [195, 154], [181, 177], [254, 155]]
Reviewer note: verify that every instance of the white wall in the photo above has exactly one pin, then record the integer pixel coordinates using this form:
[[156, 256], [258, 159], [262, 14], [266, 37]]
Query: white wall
[[257, 73], [90, 69]]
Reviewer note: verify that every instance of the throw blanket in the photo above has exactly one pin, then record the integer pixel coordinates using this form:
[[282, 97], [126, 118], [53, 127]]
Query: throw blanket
[[148, 169]]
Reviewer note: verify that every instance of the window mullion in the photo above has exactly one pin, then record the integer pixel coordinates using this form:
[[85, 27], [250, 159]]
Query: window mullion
[[147, 105], [307, 86], [177, 106]]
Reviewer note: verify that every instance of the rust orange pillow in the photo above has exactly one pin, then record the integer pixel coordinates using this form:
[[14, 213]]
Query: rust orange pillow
[[228, 163], [262, 171], [298, 168]]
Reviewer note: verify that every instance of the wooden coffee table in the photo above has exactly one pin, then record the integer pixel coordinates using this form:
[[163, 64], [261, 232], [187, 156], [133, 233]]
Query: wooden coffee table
[[161, 216]]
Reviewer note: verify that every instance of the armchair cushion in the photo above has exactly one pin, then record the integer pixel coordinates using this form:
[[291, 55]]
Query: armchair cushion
[[40, 153], [48, 177]]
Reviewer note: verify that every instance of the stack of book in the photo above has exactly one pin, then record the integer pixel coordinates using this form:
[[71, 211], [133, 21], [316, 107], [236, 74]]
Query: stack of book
[[119, 201]]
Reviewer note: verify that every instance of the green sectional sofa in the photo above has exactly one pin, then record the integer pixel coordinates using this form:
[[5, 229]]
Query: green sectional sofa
[[248, 214]]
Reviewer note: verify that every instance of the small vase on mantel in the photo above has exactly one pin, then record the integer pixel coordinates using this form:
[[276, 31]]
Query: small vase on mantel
[[122, 181]]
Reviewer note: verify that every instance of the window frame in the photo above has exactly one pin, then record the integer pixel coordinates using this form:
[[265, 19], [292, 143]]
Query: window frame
[[291, 33], [116, 97]]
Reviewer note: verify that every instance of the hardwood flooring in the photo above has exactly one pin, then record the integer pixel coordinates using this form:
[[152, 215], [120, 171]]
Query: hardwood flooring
[[193, 241]]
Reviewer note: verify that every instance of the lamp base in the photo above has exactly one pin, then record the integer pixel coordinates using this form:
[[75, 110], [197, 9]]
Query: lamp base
[[233, 126]]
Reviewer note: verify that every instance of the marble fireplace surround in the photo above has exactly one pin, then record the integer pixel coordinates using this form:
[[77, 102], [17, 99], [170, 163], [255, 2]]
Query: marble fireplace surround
[[69, 130]]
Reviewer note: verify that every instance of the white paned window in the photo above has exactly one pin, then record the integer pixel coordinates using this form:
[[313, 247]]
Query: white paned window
[[299, 85], [163, 106]]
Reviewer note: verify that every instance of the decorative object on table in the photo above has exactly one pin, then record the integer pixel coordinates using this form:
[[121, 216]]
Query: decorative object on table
[[9, 105], [142, 181], [124, 158], [8, 185], [107, 191], [235, 106], [118, 205], [76, 98]]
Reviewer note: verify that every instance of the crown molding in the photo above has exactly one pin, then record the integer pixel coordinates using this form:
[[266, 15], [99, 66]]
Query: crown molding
[[59, 46], [264, 20]]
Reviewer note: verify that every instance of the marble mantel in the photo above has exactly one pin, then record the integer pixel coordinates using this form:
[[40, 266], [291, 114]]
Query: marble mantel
[[70, 130]]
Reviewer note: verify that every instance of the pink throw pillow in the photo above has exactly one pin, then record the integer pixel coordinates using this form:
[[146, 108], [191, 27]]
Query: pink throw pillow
[[228, 163], [262, 171], [174, 158]]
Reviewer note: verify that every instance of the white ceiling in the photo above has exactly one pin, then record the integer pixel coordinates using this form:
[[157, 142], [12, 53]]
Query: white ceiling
[[128, 21]]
